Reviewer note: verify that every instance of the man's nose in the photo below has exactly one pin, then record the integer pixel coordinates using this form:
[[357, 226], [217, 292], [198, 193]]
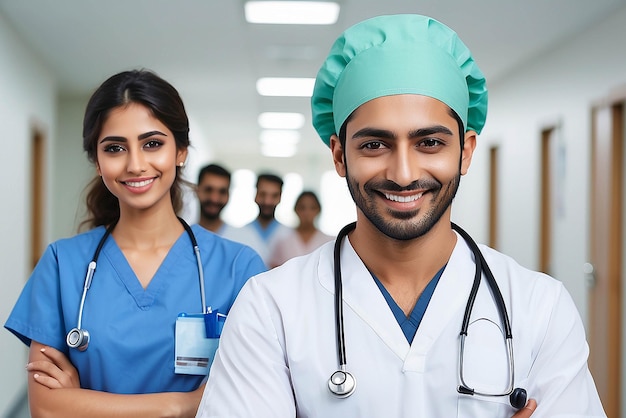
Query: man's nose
[[404, 167]]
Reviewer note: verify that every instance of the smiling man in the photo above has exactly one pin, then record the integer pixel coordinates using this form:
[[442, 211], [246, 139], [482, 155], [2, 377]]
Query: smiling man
[[213, 191], [264, 231], [405, 315]]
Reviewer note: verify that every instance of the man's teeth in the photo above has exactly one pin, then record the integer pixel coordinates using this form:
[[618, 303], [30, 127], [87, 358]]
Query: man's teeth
[[139, 183], [403, 199]]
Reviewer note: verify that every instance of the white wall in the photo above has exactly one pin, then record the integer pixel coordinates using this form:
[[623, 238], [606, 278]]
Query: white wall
[[71, 171], [27, 94], [558, 87]]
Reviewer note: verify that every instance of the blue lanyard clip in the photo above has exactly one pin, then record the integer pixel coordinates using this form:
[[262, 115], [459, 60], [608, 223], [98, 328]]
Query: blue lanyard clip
[[213, 322]]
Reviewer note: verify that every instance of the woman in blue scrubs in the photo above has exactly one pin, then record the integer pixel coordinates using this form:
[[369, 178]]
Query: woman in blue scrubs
[[136, 133]]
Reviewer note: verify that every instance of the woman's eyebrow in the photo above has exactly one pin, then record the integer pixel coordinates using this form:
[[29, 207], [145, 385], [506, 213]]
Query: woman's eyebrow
[[112, 139], [149, 134], [122, 139]]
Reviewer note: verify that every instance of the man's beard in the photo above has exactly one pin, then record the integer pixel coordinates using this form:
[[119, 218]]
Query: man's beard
[[267, 214], [209, 214], [403, 226]]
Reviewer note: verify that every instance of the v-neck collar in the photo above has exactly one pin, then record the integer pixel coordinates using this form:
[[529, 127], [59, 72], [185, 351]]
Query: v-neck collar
[[145, 298], [410, 324], [364, 298]]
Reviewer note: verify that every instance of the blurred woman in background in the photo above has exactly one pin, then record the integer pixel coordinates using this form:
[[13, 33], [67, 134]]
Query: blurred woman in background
[[305, 237]]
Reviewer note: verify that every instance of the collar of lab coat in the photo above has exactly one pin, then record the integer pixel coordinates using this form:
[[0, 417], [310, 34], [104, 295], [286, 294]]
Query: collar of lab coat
[[362, 296]]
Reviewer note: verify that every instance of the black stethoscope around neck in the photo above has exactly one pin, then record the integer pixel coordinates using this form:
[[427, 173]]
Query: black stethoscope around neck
[[78, 337], [342, 383]]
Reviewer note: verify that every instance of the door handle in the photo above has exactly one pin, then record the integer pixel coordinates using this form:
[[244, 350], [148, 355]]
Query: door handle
[[590, 275]]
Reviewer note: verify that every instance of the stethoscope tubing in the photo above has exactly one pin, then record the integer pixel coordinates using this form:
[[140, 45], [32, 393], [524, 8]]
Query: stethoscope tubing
[[91, 269], [78, 337], [481, 268], [341, 344], [196, 250]]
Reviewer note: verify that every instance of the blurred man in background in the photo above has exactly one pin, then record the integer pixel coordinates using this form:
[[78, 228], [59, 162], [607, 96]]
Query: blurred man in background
[[213, 192], [262, 233]]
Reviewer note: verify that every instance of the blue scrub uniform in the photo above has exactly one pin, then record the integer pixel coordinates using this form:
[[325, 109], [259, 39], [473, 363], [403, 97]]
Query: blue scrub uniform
[[131, 346]]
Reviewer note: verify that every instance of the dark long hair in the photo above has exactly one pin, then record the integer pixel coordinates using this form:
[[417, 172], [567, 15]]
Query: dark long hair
[[308, 193], [161, 98]]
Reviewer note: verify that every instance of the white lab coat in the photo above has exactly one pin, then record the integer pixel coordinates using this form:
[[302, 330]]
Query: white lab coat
[[278, 348]]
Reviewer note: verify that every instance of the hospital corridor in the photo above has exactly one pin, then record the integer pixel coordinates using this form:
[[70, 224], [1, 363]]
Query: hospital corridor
[[546, 185]]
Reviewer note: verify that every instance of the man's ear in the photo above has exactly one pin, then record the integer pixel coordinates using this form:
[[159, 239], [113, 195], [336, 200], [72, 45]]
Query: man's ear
[[338, 155], [468, 151]]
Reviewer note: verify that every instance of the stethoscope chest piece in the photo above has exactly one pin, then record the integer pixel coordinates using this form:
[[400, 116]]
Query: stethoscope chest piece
[[518, 398], [77, 338], [341, 384]]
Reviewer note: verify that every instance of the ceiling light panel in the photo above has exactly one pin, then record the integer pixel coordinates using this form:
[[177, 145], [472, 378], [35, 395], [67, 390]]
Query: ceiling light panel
[[292, 12], [281, 120], [285, 86], [281, 151], [279, 137]]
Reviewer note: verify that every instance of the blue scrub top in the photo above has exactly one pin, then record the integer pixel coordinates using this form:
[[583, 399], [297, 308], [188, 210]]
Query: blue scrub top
[[267, 232], [131, 346], [410, 324]]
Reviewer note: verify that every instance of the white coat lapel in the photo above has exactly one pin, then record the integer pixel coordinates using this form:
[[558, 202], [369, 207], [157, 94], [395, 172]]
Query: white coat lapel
[[449, 298], [362, 296]]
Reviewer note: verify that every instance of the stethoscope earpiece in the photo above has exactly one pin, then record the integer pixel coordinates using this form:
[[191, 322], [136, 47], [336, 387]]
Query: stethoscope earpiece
[[518, 398], [341, 384], [77, 338]]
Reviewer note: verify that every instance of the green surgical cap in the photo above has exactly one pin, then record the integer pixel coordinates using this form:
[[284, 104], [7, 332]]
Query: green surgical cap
[[397, 54]]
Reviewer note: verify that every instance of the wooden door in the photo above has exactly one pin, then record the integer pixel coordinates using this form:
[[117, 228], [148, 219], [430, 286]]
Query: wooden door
[[605, 249], [493, 197], [546, 201], [37, 199]]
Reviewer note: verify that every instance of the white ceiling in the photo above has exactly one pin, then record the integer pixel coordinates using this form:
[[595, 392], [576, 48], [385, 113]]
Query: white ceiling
[[207, 50]]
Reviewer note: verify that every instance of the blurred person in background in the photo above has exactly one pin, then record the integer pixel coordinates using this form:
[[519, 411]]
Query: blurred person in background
[[305, 237], [262, 233], [213, 191]]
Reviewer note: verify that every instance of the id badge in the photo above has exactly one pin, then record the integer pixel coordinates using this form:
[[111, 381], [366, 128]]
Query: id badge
[[197, 339]]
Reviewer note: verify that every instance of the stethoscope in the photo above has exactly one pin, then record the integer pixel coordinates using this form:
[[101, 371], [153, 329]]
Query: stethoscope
[[78, 337], [342, 383]]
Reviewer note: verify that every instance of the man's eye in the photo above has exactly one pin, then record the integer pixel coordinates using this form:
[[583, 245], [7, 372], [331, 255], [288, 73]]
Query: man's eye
[[373, 145], [113, 148], [430, 142]]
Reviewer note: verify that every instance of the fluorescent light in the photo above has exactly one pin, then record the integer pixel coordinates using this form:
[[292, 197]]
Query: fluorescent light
[[279, 142], [292, 12], [281, 151], [285, 86], [279, 137], [281, 120]]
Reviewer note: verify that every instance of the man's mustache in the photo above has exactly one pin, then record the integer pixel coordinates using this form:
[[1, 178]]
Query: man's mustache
[[391, 186]]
